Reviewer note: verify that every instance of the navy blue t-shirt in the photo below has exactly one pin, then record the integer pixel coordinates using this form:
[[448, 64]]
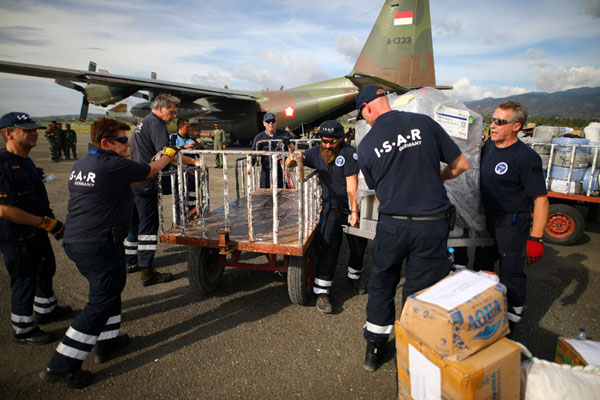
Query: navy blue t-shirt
[[333, 176], [400, 158], [510, 176], [279, 134], [149, 137], [21, 186], [100, 195]]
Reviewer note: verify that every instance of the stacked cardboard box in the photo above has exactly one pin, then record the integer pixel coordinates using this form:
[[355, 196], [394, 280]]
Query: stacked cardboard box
[[569, 351], [449, 342]]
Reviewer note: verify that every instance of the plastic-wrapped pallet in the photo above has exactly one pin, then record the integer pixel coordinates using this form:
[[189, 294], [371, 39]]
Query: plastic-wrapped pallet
[[465, 127]]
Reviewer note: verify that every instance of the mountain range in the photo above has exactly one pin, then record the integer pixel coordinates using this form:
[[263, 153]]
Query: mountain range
[[573, 103]]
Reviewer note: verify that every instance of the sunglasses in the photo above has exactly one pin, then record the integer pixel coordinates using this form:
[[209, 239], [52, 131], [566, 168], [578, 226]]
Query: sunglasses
[[120, 139], [500, 122], [330, 141], [270, 121]]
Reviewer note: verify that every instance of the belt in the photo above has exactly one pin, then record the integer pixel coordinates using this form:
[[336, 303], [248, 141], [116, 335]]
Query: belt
[[433, 217]]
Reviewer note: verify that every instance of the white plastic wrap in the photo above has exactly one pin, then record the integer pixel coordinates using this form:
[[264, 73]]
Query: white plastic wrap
[[463, 191]]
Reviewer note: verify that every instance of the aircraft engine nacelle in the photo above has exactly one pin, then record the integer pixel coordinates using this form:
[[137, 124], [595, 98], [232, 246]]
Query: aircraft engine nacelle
[[185, 110], [102, 95]]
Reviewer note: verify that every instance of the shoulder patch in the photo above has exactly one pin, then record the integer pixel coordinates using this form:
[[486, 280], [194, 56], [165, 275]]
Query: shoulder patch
[[355, 156], [340, 161]]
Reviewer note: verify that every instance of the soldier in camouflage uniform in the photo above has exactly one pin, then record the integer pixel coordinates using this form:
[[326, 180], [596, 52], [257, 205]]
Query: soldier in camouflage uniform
[[218, 136], [52, 138], [70, 142], [60, 133]]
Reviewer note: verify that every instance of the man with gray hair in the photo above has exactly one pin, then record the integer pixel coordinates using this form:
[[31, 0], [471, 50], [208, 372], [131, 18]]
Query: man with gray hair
[[149, 137]]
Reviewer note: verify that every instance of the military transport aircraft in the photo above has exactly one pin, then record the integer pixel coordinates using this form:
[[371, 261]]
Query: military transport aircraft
[[398, 55]]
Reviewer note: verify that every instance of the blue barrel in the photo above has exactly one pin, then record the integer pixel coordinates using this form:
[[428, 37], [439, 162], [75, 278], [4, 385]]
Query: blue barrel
[[586, 179], [562, 173]]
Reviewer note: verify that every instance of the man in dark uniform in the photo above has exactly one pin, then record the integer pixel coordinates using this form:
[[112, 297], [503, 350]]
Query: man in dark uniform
[[70, 142], [98, 214], [149, 137], [400, 159], [512, 185], [270, 133], [336, 162], [25, 220]]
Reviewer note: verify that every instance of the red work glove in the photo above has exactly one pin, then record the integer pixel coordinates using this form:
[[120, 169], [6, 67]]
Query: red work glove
[[534, 250]]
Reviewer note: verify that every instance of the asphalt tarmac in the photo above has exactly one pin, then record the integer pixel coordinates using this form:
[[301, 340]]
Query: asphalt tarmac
[[248, 340]]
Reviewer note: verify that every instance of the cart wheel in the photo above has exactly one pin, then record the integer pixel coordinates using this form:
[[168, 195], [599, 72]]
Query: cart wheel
[[300, 276], [565, 225], [204, 272]]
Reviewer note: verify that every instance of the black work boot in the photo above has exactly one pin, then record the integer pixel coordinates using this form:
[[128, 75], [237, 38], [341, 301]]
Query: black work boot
[[76, 380], [35, 337], [373, 355], [119, 343], [357, 286], [57, 314], [131, 268]]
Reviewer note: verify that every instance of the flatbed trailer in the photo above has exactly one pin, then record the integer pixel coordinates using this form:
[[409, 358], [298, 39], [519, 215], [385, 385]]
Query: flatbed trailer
[[566, 224], [278, 223]]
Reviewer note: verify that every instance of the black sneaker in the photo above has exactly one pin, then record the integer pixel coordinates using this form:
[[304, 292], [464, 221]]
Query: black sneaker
[[131, 268], [59, 313], [120, 342], [324, 305], [36, 337], [373, 355], [357, 286], [157, 277], [76, 380]]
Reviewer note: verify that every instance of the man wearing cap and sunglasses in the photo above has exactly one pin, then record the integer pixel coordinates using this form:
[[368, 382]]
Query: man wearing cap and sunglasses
[[271, 132], [98, 215], [400, 159], [336, 163], [25, 221], [512, 185]]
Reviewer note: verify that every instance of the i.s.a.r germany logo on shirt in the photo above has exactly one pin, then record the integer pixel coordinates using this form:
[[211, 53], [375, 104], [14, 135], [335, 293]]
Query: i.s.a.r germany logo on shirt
[[340, 161], [501, 168]]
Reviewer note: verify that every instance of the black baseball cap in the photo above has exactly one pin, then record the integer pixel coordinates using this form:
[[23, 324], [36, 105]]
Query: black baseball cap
[[20, 120], [367, 95], [332, 129]]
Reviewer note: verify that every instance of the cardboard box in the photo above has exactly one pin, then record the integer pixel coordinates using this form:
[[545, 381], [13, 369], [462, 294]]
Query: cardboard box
[[566, 353], [457, 316], [491, 373]]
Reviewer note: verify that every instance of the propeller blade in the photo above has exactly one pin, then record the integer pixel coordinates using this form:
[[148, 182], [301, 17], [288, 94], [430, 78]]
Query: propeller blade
[[92, 66], [85, 105]]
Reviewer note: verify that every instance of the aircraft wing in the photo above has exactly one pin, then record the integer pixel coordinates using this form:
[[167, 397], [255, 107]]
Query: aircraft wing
[[182, 90]]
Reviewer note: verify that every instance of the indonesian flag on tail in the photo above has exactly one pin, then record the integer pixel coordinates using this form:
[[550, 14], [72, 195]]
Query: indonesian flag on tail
[[403, 18]]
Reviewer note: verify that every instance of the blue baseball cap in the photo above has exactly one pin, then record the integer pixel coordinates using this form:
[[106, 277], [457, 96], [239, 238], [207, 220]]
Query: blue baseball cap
[[331, 129], [269, 117], [20, 120], [367, 95]]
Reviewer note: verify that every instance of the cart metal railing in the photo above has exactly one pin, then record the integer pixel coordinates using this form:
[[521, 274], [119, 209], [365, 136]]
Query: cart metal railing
[[186, 217], [592, 154]]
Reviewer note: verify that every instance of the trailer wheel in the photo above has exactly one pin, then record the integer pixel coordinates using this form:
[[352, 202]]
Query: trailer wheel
[[565, 225], [204, 272], [300, 276]]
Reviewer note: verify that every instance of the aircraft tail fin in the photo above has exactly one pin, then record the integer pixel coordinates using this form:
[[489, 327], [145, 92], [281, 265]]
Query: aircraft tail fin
[[398, 53]]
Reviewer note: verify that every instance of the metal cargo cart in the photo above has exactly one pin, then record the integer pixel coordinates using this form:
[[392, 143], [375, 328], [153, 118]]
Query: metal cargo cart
[[566, 223], [277, 223]]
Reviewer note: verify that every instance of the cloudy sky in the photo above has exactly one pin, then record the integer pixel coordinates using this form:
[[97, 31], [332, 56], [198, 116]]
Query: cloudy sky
[[483, 48]]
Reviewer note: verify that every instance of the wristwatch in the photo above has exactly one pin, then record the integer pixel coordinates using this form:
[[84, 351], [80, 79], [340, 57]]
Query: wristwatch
[[536, 239]]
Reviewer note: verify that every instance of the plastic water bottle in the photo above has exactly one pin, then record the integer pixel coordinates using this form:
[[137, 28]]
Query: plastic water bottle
[[581, 335], [451, 255]]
